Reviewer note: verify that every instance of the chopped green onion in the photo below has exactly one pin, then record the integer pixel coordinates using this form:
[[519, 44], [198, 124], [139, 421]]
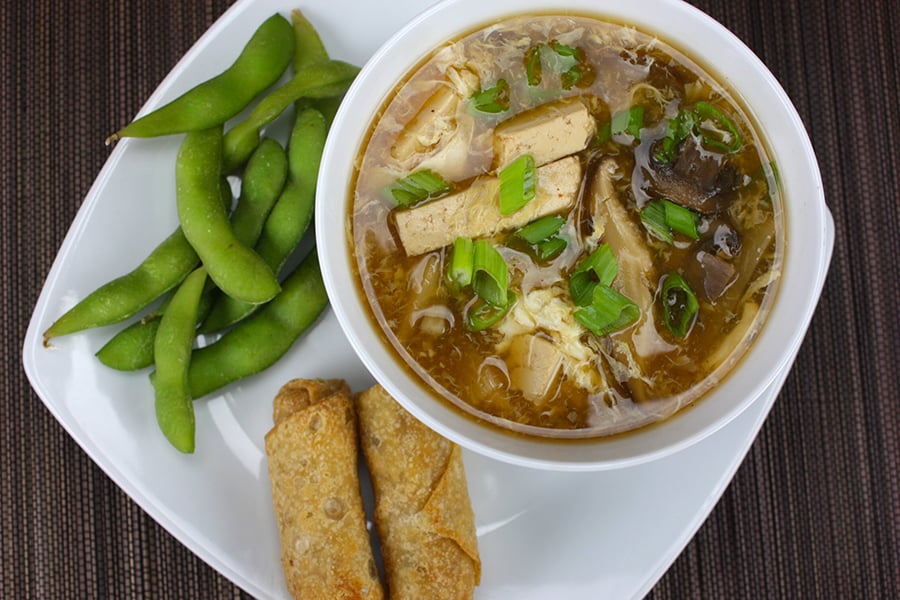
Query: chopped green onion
[[682, 220], [608, 311], [517, 184], [484, 315], [564, 50], [418, 186], [551, 248], [677, 130], [581, 288], [727, 140], [493, 99], [580, 75], [680, 306], [653, 216], [600, 268], [490, 277], [663, 217], [604, 133], [541, 230], [602, 262], [533, 67], [628, 121], [462, 263]]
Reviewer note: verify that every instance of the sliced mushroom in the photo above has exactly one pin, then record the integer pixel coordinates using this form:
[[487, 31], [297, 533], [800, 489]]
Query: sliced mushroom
[[694, 178]]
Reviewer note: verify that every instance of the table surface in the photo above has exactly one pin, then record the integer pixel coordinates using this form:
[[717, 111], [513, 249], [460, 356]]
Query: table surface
[[814, 510]]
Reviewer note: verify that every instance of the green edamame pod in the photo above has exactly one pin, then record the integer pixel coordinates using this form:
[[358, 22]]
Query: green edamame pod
[[291, 215], [232, 265], [320, 80], [308, 46], [132, 348], [261, 62], [164, 268], [261, 186], [258, 342], [173, 347], [309, 50]]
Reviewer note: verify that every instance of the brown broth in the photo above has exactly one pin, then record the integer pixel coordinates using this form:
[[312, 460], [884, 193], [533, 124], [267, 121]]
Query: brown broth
[[606, 385]]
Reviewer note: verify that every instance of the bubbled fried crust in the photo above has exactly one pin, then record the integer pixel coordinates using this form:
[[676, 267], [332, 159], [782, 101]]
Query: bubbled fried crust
[[298, 394], [422, 508], [312, 456]]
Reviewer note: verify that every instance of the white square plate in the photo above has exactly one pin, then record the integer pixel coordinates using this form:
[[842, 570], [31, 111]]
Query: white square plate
[[541, 534]]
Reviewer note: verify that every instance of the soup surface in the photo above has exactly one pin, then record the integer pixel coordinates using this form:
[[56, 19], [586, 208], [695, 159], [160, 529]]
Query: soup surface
[[565, 226]]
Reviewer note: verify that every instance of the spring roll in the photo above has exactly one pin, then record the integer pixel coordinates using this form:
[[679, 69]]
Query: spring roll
[[312, 455], [422, 508]]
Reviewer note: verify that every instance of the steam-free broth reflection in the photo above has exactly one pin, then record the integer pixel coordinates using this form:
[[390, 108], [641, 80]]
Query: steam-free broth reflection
[[566, 227]]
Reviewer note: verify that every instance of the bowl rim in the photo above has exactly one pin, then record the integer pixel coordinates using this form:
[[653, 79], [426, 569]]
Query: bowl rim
[[808, 240]]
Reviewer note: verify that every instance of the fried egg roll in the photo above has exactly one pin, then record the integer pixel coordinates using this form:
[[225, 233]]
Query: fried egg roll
[[312, 455], [422, 508]]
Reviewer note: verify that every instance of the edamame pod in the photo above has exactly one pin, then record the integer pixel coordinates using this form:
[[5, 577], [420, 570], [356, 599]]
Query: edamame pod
[[320, 80], [261, 62], [173, 347], [164, 268], [132, 348], [234, 267], [261, 186], [291, 215], [258, 342], [308, 46]]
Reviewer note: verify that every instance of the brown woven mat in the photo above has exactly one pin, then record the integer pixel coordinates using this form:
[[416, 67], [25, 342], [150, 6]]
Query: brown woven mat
[[814, 511]]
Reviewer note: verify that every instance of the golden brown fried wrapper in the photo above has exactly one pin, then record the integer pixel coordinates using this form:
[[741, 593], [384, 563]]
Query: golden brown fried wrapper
[[312, 455], [422, 508]]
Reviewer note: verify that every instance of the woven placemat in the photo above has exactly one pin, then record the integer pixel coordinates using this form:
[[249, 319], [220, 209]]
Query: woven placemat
[[814, 511]]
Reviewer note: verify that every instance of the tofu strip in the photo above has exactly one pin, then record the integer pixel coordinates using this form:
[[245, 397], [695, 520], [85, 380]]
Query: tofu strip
[[475, 212], [548, 133]]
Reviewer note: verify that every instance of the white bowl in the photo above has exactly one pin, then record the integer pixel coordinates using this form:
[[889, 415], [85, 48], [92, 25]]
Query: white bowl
[[808, 227]]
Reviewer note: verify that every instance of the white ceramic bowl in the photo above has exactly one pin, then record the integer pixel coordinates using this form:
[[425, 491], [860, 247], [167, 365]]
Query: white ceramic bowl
[[808, 228]]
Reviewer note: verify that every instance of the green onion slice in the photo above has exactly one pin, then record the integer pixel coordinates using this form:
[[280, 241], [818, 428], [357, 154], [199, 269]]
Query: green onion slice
[[680, 306], [604, 133], [493, 99], [564, 50], [628, 121], [725, 136], [533, 68], [599, 268], [653, 216], [541, 229], [418, 186], [663, 217], [490, 277], [580, 75], [551, 248], [462, 263], [517, 184], [484, 315], [682, 220], [677, 130], [608, 311]]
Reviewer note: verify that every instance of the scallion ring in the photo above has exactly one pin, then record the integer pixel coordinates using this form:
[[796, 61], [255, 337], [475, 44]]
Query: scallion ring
[[679, 304]]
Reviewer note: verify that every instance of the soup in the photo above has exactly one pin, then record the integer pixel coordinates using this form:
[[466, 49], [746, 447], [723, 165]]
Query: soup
[[566, 227]]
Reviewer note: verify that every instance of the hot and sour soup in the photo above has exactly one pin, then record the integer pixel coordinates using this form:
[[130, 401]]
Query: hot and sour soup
[[565, 226]]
